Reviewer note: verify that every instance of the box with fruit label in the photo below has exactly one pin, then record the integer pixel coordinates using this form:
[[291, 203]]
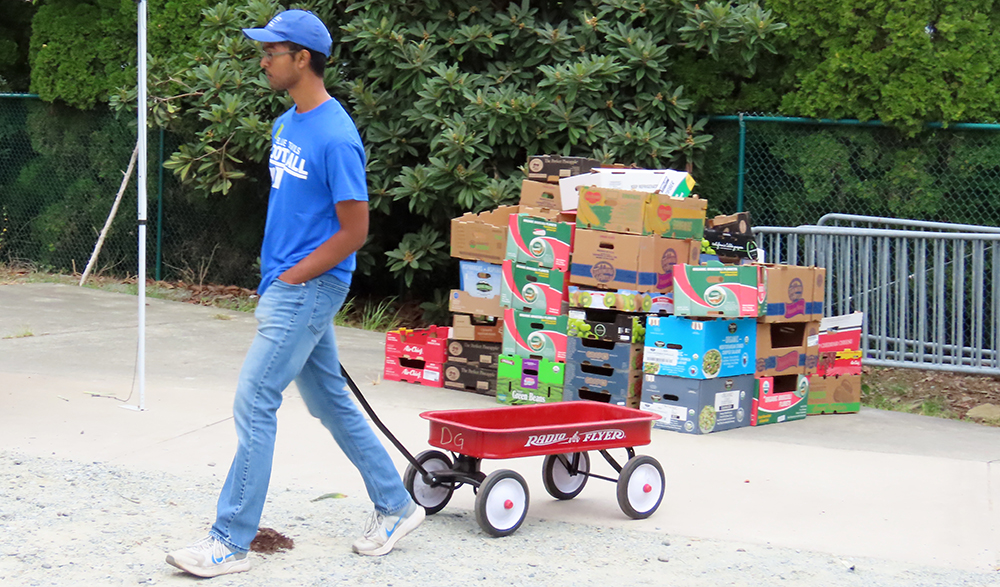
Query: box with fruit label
[[534, 335], [625, 300], [609, 325], [526, 288], [536, 240], [529, 381], [717, 290], [779, 399], [700, 348], [698, 406]]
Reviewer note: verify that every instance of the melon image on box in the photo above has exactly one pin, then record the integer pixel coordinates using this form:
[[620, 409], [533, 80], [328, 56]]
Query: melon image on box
[[538, 336], [480, 279], [834, 394], [533, 289], [779, 399], [790, 293], [698, 406], [840, 345], [787, 348], [536, 240], [716, 290], [699, 348], [529, 381]]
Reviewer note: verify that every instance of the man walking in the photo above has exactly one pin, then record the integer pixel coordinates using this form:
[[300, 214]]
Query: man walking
[[317, 218]]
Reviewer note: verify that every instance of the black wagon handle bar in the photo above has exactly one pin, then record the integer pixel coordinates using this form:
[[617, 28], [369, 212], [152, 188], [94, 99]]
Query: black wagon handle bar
[[378, 422]]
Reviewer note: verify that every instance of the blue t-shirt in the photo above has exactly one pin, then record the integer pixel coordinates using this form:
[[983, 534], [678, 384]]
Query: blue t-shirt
[[316, 161]]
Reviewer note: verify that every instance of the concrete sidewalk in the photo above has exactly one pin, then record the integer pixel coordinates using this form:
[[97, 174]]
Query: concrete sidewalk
[[876, 484]]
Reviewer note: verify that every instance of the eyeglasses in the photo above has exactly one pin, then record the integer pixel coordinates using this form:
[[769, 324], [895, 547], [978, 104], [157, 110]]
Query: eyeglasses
[[268, 55]]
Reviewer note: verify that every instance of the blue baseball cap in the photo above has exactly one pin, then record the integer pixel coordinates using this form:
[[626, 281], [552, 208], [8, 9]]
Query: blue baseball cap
[[297, 26]]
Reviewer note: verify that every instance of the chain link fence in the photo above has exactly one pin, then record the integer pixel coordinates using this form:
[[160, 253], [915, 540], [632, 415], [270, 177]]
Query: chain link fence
[[796, 170], [60, 170]]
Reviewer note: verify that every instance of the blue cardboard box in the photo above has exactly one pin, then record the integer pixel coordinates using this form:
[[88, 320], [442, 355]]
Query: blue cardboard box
[[700, 348], [479, 279], [696, 406]]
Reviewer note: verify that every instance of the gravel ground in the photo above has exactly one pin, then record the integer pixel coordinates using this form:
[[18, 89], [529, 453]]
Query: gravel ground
[[71, 523]]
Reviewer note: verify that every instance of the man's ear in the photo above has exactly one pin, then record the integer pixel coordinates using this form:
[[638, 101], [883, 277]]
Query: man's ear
[[302, 58]]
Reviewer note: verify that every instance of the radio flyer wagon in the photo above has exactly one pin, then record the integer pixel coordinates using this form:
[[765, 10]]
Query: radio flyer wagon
[[564, 432]]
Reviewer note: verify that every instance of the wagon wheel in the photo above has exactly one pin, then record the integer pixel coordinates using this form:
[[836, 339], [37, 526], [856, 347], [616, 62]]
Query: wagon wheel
[[501, 503], [432, 498], [559, 481], [640, 487]]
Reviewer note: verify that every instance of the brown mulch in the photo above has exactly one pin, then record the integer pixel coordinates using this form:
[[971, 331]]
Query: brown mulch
[[269, 541], [910, 388]]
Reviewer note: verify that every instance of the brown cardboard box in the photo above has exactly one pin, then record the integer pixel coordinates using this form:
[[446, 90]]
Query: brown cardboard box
[[550, 168], [669, 252], [473, 353], [835, 394], [463, 303], [787, 348], [483, 236], [536, 194], [611, 260], [471, 378], [818, 308], [467, 327], [789, 293]]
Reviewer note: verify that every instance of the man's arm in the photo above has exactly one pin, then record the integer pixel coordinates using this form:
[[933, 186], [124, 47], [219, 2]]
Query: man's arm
[[353, 216]]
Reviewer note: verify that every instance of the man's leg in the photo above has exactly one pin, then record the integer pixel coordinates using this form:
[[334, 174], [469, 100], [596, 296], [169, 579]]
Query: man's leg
[[327, 397], [290, 320]]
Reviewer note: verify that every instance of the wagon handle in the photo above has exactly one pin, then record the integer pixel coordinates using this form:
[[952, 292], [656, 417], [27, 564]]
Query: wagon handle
[[364, 403]]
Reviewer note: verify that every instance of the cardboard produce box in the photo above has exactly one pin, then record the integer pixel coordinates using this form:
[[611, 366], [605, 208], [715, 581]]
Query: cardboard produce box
[[786, 348], [471, 378], [716, 290], [423, 343], [625, 300], [529, 381], [479, 279], [678, 218], [607, 325], [483, 236], [614, 261], [669, 182], [779, 399], [481, 328], [552, 168], [699, 349], [730, 238], [413, 371], [594, 388], [672, 252], [463, 303], [834, 394], [536, 240], [642, 213], [792, 293], [534, 335], [473, 353], [840, 344], [540, 195], [619, 356], [698, 406], [527, 288]]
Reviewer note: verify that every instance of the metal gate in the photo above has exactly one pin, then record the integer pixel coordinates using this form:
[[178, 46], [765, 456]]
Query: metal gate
[[930, 291]]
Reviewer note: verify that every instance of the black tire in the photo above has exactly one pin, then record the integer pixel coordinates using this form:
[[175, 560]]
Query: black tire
[[640, 487], [431, 498], [558, 481], [502, 503]]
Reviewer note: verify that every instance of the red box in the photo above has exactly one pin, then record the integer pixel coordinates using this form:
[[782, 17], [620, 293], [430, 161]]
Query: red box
[[414, 371], [426, 343], [840, 345]]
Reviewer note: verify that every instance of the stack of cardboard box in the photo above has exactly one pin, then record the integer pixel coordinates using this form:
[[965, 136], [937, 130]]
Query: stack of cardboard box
[[787, 341], [417, 356], [836, 387]]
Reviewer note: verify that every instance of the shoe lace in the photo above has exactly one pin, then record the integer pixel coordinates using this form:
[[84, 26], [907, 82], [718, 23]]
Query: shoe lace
[[373, 524], [210, 546]]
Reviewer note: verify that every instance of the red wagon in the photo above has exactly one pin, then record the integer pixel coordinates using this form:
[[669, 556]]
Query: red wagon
[[564, 431]]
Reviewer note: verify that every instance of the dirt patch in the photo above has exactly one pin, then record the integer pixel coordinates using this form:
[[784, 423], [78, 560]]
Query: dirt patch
[[931, 393], [269, 541]]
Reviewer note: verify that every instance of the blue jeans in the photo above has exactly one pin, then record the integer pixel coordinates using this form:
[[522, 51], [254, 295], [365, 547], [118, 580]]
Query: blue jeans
[[295, 340]]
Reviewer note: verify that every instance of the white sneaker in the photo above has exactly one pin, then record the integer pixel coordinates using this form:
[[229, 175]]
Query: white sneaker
[[209, 558], [382, 532]]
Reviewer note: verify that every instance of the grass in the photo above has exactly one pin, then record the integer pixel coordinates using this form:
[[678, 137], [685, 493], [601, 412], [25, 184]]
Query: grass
[[22, 333]]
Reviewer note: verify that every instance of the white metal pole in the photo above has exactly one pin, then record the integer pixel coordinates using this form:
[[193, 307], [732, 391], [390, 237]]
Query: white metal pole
[[141, 359]]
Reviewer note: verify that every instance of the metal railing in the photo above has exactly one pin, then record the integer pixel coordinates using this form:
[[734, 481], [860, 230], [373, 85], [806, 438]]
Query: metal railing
[[931, 298]]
